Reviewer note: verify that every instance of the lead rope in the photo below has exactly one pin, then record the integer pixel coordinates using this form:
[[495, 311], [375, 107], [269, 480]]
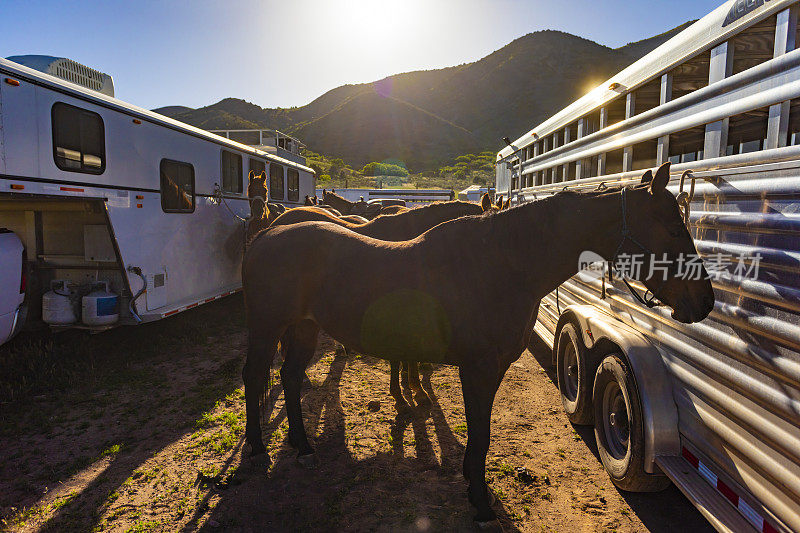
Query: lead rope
[[221, 199]]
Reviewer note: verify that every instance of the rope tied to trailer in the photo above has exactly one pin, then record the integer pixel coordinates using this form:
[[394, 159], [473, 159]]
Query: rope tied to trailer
[[221, 199], [685, 199]]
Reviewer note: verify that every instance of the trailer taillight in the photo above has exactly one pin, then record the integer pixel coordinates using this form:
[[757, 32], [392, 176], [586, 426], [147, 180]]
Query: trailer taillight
[[23, 279]]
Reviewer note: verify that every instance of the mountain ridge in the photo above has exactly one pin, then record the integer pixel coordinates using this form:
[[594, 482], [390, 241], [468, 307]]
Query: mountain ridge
[[427, 117]]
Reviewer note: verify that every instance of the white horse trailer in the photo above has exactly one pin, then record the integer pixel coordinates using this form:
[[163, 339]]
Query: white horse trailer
[[715, 406], [99, 190]]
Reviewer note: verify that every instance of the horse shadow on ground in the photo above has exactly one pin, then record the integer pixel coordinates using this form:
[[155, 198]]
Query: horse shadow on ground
[[655, 510], [384, 491], [143, 424]]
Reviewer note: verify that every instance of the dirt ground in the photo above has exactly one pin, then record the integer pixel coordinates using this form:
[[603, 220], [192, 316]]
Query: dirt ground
[[156, 445]]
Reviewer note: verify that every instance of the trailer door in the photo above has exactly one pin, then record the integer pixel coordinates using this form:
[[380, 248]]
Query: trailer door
[[19, 137]]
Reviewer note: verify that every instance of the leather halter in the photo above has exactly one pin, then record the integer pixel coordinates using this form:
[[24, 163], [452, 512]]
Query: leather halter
[[626, 235]]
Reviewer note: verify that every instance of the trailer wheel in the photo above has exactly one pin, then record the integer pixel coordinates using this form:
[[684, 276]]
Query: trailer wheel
[[619, 430], [575, 374]]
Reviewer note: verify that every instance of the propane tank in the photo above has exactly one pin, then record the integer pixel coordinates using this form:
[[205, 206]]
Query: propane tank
[[100, 306], [57, 305]]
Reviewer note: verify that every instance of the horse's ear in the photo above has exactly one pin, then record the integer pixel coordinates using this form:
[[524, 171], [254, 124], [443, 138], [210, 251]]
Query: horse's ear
[[507, 204], [647, 177], [263, 175], [500, 202], [661, 179], [251, 175], [486, 202]]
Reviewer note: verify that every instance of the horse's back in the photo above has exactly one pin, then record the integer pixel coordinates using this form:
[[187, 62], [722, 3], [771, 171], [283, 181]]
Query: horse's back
[[305, 214]]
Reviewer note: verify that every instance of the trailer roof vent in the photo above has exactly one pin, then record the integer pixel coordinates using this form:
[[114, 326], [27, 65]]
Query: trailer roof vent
[[68, 70]]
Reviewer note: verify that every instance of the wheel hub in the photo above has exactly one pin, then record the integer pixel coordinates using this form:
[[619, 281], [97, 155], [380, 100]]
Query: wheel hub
[[570, 373], [617, 429]]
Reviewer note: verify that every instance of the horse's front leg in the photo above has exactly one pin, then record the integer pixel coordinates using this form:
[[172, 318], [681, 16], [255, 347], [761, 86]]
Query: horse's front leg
[[395, 390], [479, 388]]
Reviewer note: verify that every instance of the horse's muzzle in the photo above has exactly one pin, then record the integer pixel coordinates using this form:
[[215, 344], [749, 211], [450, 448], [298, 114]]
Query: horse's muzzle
[[690, 311]]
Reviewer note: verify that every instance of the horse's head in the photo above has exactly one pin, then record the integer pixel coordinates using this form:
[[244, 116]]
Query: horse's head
[[257, 185], [671, 268]]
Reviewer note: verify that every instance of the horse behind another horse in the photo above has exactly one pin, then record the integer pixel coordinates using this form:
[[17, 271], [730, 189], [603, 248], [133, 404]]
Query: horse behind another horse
[[406, 300]]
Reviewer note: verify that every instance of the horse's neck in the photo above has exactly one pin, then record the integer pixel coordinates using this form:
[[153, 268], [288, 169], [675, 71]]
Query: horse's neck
[[342, 204], [542, 241]]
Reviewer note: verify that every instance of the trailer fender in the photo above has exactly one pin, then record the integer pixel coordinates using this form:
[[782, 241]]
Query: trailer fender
[[653, 383]]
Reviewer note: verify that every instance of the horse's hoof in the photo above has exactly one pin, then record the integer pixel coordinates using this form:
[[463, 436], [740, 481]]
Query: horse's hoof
[[309, 461], [260, 461], [489, 525], [255, 450]]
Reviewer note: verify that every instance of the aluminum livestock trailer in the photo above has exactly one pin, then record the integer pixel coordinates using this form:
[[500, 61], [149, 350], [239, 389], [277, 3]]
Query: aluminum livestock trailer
[[99, 190], [713, 406]]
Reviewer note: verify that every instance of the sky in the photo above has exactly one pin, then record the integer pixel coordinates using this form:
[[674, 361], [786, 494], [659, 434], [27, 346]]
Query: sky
[[286, 53]]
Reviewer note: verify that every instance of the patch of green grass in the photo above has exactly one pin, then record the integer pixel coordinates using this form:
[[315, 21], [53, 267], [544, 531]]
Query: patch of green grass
[[111, 450], [144, 526], [36, 511]]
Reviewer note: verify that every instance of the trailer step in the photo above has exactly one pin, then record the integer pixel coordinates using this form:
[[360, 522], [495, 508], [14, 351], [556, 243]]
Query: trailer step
[[712, 505]]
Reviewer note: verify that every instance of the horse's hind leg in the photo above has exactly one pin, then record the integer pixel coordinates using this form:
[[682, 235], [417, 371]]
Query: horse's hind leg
[[395, 390], [260, 352], [479, 390], [301, 342], [420, 396]]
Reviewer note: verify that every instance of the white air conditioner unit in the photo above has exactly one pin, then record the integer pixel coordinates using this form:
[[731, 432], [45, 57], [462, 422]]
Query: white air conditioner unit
[[68, 70]]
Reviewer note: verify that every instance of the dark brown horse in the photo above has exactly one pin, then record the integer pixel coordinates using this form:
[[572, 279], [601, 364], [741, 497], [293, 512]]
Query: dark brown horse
[[399, 300], [361, 208], [400, 227]]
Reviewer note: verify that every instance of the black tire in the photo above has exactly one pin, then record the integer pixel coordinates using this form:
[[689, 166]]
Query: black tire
[[575, 375], [619, 428]]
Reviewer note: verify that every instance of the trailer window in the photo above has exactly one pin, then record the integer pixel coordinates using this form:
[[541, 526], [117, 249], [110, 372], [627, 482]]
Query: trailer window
[[231, 172], [276, 182], [794, 123], [177, 186], [755, 45], [647, 97], [571, 131], [293, 185], [747, 132], [644, 155], [257, 166], [79, 141], [687, 145], [571, 170], [691, 75], [589, 167], [616, 110], [614, 161]]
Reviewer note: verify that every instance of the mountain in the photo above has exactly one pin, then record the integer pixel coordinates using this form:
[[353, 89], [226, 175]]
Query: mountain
[[426, 118]]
